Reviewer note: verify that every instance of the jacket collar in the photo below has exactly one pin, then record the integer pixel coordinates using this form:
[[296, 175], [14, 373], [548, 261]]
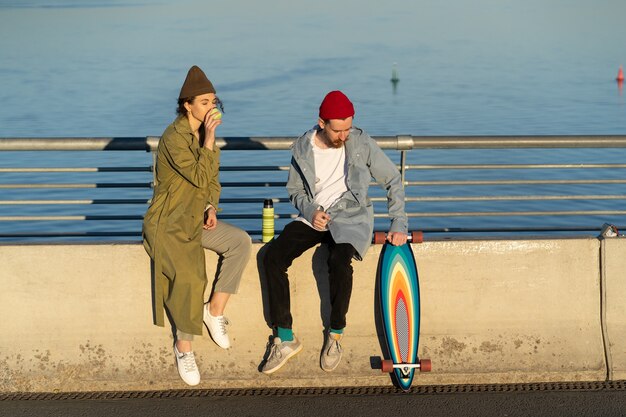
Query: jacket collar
[[181, 124]]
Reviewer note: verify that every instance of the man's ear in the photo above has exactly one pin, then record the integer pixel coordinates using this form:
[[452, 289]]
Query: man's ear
[[321, 123]]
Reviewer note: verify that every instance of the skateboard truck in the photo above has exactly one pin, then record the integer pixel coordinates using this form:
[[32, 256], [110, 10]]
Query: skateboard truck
[[414, 237], [387, 366]]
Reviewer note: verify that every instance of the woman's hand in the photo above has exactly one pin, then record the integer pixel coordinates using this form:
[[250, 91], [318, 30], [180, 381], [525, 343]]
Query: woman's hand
[[211, 122], [210, 219]]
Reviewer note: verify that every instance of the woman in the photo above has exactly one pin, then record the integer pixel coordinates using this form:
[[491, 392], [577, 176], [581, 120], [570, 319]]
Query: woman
[[182, 220]]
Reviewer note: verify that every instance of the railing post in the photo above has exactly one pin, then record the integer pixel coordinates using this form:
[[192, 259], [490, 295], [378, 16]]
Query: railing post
[[402, 165], [404, 143], [154, 161]]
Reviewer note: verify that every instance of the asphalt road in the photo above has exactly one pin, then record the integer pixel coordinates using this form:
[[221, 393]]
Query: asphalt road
[[484, 404]]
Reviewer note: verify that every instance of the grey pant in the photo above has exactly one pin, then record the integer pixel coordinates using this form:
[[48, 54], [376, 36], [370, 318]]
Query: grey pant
[[233, 246]]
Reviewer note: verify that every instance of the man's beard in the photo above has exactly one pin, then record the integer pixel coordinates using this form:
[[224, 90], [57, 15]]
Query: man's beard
[[331, 144], [337, 144]]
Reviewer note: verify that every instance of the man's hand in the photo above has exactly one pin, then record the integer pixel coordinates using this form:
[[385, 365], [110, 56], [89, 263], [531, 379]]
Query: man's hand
[[210, 219], [320, 220], [397, 238]]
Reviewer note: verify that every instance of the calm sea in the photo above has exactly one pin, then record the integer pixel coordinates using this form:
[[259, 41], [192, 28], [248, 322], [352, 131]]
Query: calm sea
[[78, 68]]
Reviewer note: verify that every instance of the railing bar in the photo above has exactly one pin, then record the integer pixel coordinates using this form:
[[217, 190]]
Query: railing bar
[[68, 218], [78, 202], [453, 214], [132, 201], [252, 200], [98, 185], [253, 184], [253, 168], [517, 213], [69, 234], [514, 166], [286, 168], [510, 198], [292, 216], [101, 169], [514, 182], [286, 200], [238, 184], [403, 142], [438, 182]]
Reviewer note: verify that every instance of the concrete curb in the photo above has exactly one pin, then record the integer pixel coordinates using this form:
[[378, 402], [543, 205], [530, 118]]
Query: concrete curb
[[78, 318]]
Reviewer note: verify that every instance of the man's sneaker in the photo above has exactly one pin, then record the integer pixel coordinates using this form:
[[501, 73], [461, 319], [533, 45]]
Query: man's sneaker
[[280, 352], [187, 368], [331, 355], [217, 328]]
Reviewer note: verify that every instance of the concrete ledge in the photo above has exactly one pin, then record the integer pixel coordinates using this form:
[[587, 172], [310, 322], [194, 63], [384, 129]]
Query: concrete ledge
[[78, 318], [614, 268]]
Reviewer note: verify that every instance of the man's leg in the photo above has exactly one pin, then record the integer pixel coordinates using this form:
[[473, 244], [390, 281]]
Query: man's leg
[[340, 280], [296, 238]]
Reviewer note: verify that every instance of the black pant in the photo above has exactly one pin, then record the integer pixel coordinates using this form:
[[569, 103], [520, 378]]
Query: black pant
[[296, 238]]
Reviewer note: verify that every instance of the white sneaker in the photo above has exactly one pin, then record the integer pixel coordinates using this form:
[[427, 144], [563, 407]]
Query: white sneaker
[[217, 328], [187, 368]]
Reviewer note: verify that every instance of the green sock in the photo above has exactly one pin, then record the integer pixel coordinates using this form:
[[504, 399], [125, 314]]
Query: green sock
[[338, 331], [285, 335]]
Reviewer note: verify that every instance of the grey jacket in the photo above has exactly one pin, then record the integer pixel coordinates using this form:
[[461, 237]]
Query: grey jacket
[[352, 216]]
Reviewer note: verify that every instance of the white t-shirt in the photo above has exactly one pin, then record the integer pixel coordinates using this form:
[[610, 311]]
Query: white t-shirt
[[330, 175]]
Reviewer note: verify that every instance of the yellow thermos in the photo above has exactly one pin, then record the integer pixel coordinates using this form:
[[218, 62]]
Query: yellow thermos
[[267, 230]]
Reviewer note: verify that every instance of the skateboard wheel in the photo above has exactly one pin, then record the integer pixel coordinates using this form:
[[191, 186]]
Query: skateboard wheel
[[379, 238], [386, 366], [417, 237], [425, 365]]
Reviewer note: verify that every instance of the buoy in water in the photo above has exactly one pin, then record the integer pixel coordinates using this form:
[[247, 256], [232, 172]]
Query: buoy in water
[[620, 74], [394, 74]]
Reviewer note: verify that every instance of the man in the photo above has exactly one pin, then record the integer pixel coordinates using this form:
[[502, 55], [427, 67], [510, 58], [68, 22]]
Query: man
[[329, 177]]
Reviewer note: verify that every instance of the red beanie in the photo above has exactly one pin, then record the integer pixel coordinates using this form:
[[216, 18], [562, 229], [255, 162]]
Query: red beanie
[[336, 106]]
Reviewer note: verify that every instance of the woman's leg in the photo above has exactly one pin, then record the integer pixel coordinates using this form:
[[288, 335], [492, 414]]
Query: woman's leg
[[234, 246]]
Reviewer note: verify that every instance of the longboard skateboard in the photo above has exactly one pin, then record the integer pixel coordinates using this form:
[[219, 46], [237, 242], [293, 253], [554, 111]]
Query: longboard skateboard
[[399, 306]]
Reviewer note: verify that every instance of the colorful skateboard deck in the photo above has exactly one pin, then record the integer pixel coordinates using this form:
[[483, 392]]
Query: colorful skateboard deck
[[399, 307]]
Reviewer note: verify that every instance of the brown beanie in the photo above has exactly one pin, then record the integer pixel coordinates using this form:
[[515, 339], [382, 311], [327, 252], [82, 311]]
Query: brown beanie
[[195, 84]]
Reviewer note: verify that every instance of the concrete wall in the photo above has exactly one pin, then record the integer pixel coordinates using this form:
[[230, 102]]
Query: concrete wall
[[79, 317], [614, 280]]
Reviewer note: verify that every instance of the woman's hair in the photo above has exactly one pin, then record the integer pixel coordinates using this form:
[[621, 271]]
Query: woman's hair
[[182, 111]]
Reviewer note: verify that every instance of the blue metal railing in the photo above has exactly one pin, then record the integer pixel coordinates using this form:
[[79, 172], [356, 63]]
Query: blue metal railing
[[462, 194]]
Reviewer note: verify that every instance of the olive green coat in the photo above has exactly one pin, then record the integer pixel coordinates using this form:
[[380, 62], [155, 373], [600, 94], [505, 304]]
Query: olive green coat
[[186, 182]]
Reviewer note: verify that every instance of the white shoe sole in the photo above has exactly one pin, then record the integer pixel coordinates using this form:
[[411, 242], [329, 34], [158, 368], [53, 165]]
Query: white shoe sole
[[329, 369]]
